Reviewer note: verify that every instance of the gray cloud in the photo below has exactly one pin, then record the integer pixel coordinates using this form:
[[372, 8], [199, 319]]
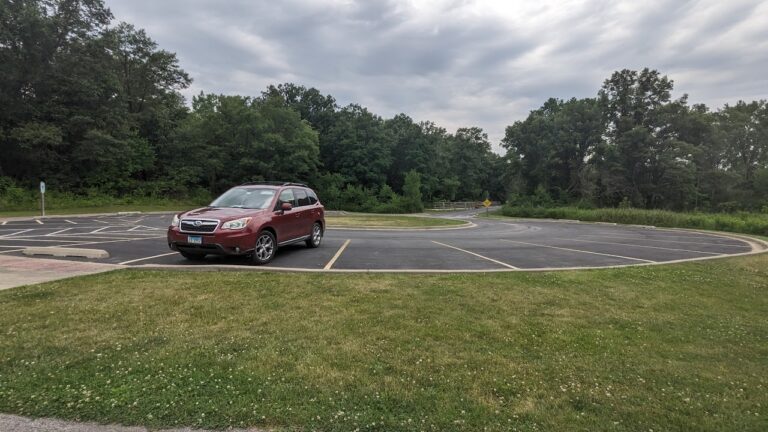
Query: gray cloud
[[461, 62]]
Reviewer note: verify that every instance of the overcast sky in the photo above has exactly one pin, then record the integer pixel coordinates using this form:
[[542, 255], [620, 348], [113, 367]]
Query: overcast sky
[[460, 62]]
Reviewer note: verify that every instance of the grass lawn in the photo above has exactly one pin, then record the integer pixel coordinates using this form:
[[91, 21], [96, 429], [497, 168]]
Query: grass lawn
[[102, 209], [387, 221], [676, 347]]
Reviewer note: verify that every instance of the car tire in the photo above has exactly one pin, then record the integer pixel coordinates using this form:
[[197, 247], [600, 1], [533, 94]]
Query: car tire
[[316, 236], [193, 256], [265, 248]]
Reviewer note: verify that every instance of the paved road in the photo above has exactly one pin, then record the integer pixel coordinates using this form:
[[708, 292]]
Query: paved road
[[490, 245]]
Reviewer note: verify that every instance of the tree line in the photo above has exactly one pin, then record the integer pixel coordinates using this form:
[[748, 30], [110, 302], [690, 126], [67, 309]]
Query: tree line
[[633, 145], [95, 107]]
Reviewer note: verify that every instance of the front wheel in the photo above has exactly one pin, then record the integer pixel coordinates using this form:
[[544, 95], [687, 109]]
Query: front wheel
[[317, 236], [265, 248]]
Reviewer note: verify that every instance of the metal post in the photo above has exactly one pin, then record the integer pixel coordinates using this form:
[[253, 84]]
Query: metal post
[[42, 198]]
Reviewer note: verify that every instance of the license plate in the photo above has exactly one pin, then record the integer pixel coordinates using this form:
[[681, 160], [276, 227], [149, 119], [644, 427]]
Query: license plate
[[195, 239]]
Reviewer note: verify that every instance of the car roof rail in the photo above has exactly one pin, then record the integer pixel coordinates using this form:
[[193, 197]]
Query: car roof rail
[[273, 183]]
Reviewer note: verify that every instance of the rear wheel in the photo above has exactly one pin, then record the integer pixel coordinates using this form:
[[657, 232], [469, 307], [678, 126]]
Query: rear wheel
[[265, 248], [193, 256], [316, 237]]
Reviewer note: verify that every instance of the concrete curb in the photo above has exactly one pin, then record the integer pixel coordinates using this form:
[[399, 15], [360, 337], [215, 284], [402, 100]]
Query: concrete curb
[[467, 224], [14, 423], [509, 218], [66, 252]]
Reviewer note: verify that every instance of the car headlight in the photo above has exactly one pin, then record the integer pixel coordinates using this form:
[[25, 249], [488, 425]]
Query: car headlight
[[236, 224], [175, 221]]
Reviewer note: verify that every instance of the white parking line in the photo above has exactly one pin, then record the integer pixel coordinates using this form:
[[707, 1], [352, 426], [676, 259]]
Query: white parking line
[[69, 221], [578, 250], [4, 222], [17, 232], [81, 237], [26, 239], [477, 255], [637, 245], [673, 241], [39, 221], [86, 236], [147, 258], [82, 242], [135, 228], [98, 230], [12, 250], [100, 221], [59, 231], [338, 254]]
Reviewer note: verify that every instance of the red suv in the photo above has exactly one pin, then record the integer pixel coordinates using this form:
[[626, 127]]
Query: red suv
[[251, 219]]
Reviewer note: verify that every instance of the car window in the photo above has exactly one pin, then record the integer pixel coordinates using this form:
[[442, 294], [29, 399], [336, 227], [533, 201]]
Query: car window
[[312, 197], [301, 197], [286, 196], [250, 198]]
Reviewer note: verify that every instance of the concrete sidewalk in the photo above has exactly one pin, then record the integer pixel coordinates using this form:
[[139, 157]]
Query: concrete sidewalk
[[18, 271], [12, 423]]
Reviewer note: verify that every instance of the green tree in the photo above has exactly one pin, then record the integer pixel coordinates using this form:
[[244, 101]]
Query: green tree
[[643, 158], [358, 147], [551, 148], [744, 129], [412, 192], [82, 104], [470, 162], [231, 139]]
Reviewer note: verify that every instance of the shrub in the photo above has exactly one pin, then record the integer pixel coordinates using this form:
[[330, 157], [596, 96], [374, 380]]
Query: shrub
[[412, 193]]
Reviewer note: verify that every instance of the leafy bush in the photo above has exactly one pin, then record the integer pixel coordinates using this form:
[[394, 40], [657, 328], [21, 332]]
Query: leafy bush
[[335, 195]]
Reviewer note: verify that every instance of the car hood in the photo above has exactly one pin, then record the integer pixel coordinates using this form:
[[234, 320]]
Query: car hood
[[221, 213]]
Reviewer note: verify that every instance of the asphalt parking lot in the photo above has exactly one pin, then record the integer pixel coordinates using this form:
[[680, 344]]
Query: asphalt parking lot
[[491, 244]]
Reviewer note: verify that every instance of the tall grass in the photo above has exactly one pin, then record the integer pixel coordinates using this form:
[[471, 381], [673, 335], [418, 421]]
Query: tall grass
[[739, 222], [17, 199]]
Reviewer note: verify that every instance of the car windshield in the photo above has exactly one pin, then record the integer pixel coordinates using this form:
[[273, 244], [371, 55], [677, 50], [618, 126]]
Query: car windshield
[[250, 198]]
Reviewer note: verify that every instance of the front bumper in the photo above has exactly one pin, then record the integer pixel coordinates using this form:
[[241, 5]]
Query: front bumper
[[217, 243]]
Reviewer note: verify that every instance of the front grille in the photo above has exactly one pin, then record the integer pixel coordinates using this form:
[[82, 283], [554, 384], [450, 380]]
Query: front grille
[[199, 225]]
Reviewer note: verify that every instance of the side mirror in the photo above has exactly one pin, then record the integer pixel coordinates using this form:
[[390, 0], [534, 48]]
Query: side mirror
[[286, 206]]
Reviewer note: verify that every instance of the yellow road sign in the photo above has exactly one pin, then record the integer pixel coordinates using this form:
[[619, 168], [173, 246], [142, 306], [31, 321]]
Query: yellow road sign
[[487, 203]]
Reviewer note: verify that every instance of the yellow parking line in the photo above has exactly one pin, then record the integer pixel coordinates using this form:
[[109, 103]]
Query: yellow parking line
[[477, 255], [338, 254]]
